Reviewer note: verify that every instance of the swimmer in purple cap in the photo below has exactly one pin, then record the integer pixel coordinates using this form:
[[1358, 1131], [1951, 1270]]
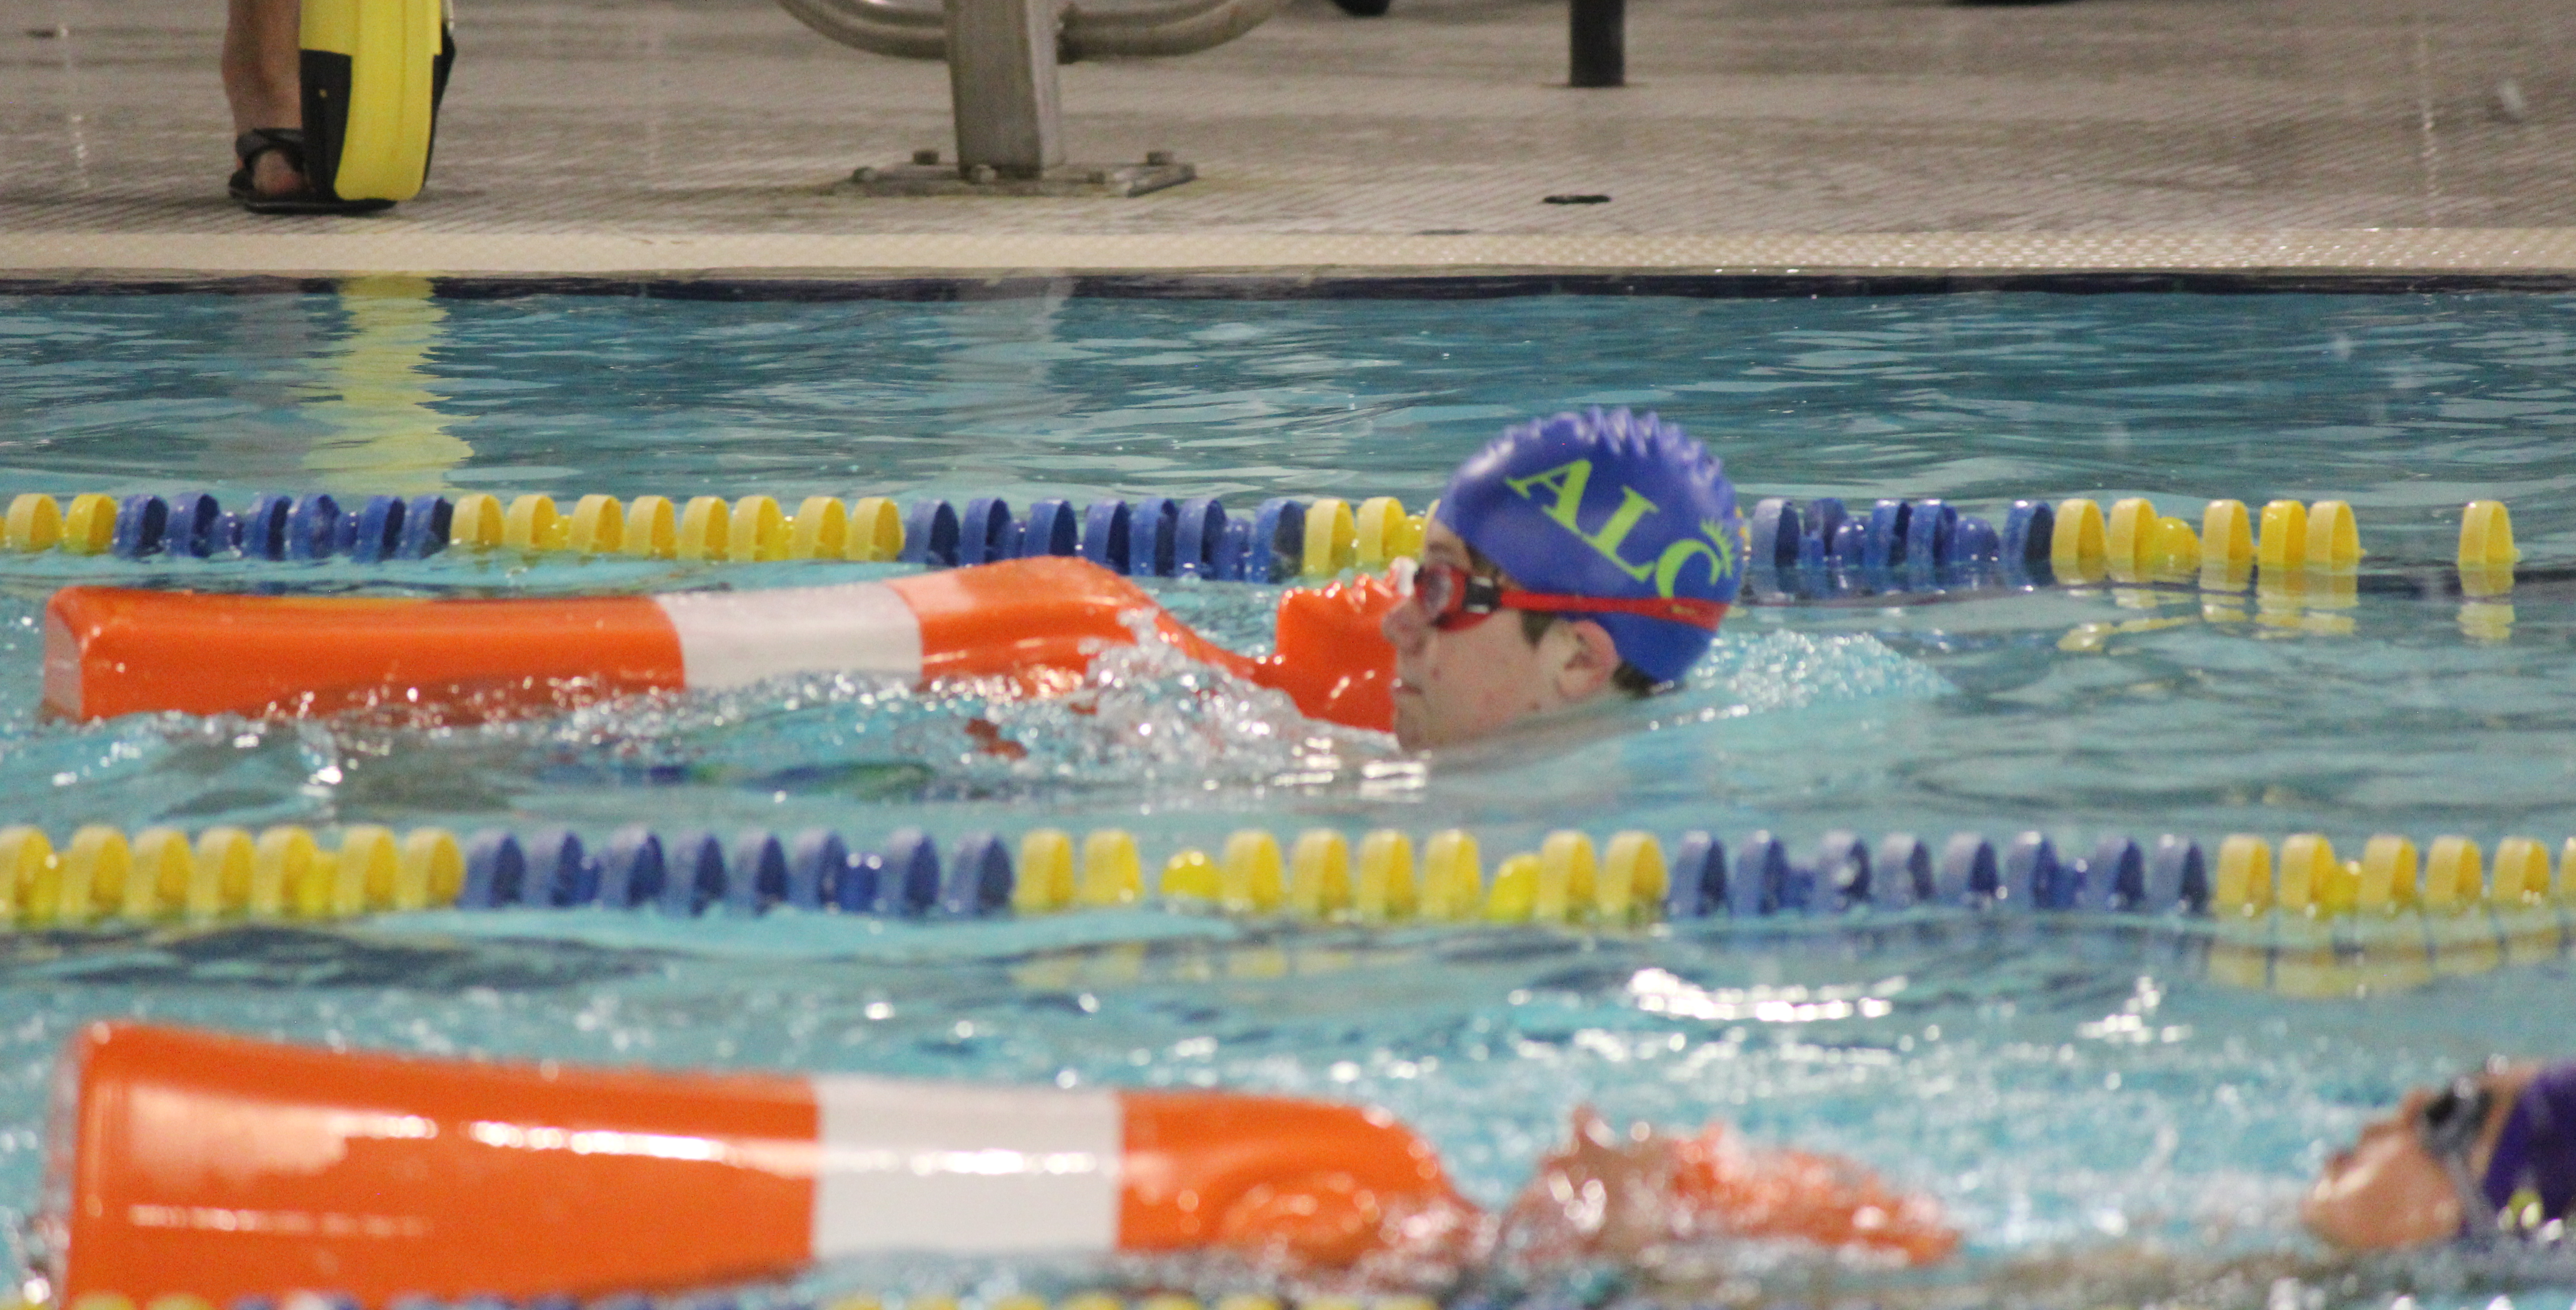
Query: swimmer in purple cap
[[2490, 1157], [1613, 540]]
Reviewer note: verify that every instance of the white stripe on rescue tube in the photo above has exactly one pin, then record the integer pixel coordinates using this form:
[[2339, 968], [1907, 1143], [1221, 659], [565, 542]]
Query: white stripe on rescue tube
[[964, 1168], [736, 638]]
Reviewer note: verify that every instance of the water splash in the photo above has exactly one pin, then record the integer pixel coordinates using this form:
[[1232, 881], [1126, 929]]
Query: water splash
[[1148, 715]]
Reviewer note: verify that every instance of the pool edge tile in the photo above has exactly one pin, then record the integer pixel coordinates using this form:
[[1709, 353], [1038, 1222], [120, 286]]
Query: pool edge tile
[[125, 256]]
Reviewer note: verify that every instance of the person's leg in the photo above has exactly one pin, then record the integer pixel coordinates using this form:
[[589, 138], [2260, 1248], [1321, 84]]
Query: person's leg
[[261, 54]]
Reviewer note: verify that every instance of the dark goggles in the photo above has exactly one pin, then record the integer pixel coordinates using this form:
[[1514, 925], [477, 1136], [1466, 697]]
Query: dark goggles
[[1451, 598], [2449, 1124], [2448, 1128]]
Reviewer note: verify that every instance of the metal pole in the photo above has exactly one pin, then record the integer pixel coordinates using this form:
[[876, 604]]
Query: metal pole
[[1598, 46], [1002, 79]]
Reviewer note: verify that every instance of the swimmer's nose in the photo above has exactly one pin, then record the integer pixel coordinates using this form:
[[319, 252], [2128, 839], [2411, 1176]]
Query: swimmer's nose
[[1404, 627], [2410, 1108]]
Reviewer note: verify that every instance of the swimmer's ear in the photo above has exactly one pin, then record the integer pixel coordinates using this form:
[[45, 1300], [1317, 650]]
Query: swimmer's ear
[[1589, 659]]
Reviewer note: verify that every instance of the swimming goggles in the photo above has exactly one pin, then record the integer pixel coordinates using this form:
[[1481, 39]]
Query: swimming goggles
[[2448, 1127], [1451, 599]]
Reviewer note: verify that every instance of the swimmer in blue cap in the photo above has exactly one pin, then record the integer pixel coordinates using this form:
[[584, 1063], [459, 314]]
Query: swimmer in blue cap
[[1614, 540], [2490, 1157]]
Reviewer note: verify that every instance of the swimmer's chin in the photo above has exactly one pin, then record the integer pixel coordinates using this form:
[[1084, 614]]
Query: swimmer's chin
[[1408, 724], [1530, 737]]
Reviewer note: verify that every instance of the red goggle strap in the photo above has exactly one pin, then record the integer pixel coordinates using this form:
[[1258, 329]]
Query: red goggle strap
[[1678, 609]]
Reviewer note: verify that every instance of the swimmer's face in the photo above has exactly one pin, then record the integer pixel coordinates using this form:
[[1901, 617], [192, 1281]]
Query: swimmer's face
[[2388, 1191], [1463, 683], [2385, 1192]]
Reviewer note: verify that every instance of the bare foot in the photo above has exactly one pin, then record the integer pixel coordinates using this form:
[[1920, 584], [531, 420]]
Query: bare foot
[[271, 175]]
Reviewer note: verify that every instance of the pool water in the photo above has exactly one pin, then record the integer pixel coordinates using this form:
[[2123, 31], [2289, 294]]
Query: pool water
[[2098, 1092]]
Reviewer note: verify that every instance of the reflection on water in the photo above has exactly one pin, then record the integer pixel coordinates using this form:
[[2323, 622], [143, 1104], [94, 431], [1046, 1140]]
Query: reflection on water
[[375, 395]]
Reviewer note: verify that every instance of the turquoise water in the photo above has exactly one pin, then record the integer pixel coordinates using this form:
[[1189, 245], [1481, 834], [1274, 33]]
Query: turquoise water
[[1996, 1078]]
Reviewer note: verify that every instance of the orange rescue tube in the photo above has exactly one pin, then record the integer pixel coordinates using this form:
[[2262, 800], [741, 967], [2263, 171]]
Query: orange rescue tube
[[223, 1167], [111, 651], [1035, 623]]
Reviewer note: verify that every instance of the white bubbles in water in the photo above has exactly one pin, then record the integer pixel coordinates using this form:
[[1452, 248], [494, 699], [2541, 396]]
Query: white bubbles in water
[[1765, 672], [1148, 713], [1144, 715]]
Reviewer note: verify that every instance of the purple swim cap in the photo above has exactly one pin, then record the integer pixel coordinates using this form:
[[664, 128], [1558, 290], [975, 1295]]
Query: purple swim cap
[[1608, 504], [2531, 1178]]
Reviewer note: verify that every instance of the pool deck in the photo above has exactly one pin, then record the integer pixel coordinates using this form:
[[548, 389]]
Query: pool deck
[[661, 139]]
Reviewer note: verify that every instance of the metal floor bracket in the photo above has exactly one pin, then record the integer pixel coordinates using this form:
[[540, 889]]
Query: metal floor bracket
[[926, 176]]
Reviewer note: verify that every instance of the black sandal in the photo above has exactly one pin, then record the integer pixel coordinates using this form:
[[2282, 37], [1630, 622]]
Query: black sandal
[[250, 145]]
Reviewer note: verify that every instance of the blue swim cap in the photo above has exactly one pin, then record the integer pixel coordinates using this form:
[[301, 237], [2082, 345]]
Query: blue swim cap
[[1607, 504]]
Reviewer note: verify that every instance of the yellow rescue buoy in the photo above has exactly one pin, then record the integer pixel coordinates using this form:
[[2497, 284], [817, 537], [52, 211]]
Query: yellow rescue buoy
[[373, 73]]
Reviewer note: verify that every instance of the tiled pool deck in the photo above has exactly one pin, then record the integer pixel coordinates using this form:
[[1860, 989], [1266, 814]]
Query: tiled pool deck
[[2395, 135]]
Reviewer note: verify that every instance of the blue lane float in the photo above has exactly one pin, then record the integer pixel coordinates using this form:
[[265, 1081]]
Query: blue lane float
[[1819, 550], [1822, 549], [698, 872], [904, 876], [1154, 537], [314, 526]]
